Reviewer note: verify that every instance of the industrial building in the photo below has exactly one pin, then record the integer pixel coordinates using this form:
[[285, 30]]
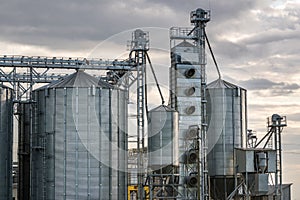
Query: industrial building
[[74, 141]]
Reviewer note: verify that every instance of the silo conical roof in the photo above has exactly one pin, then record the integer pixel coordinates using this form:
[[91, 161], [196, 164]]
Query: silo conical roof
[[162, 108], [220, 83], [185, 44], [78, 79], [5, 86]]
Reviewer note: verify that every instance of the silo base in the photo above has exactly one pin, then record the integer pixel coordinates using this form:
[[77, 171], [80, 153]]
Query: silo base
[[221, 187], [163, 182]]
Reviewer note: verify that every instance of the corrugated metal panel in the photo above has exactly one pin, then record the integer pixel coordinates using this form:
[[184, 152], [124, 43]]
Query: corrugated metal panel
[[219, 83], [6, 142], [226, 109], [79, 142], [162, 137], [24, 151]]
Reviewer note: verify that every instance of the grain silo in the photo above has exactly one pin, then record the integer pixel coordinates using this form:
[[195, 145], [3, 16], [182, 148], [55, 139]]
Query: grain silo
[[162, 137], [227, 117], [163, 160], [79, 141], [6, 142]]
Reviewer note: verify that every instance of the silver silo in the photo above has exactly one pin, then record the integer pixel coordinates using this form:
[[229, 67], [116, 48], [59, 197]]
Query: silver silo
[[6, 142], [227, 118], [79, 143], [162, 137], [163, 160]]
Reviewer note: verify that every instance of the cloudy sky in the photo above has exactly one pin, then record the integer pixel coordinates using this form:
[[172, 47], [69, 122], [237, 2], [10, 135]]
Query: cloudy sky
[[256, 43]]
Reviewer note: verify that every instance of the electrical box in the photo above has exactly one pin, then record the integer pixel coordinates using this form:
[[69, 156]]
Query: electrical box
[[271, 161], [245, 160]]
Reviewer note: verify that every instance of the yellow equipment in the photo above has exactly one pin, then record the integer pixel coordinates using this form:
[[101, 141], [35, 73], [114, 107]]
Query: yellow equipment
[[133, 191]]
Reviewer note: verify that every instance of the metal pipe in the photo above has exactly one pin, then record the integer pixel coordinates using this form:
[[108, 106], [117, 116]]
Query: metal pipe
[[110, 146], [213, 56], [156, 81], [65, 146]]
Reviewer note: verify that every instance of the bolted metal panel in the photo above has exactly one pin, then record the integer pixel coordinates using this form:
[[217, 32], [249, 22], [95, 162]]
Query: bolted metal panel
[[6, 142], [162, 137], [226, 110], [245, 159], [253, 160], [191, 88], [271, 161], [258, 184], [79, 141]]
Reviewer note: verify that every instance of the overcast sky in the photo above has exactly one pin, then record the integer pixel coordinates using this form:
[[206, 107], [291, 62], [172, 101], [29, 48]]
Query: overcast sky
[[256, 43]]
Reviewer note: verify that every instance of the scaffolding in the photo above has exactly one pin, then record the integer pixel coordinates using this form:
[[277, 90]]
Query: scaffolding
[[139, 47], [260, 166]]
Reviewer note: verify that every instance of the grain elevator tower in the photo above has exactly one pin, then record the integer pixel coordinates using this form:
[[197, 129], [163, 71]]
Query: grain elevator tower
[[187, 85]]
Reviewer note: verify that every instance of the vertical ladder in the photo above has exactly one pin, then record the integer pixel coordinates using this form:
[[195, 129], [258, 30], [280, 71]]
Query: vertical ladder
[[278, 163], [141, 64], [276, 124], [203, 173]]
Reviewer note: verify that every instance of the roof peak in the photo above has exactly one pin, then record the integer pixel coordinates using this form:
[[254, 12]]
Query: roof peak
[[78, 79]]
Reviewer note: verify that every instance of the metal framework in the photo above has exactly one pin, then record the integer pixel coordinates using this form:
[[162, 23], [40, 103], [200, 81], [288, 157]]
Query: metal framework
[[199, 18], [22, 73], [197, 169], [139, 47], [275, 126], [271, 142]]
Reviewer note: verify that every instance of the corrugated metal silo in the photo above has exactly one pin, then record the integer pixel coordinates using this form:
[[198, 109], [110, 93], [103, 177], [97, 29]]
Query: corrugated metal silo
[[227, 118], [6, 142], [163, 160], [24, 151], [79, 143], [162, 137]]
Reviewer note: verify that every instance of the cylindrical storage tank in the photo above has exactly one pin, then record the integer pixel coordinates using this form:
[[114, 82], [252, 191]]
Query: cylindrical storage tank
[[79, 143], [227, 118], [24, 150], [163, 161], [6, 142], [162, 137]]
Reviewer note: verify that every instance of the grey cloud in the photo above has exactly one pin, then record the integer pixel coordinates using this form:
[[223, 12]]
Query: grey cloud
[[258, 84], [271, 36], [284, 20], [294, 117], [290, 138], [64, 24], [263, 84], [230, 50], [265, 34], [261, 107]]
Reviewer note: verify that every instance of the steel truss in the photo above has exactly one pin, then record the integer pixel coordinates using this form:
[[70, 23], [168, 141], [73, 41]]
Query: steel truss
[[22, 73]]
